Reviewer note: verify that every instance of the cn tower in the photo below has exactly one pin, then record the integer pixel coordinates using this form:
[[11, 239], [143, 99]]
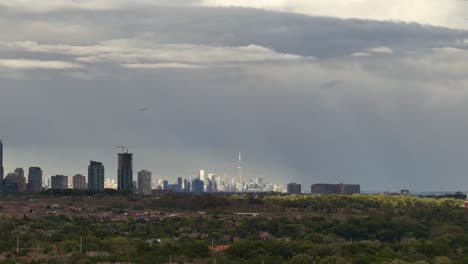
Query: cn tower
[[240, 169]]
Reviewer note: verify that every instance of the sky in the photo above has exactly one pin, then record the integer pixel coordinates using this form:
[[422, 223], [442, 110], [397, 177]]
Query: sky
[[370, 92]]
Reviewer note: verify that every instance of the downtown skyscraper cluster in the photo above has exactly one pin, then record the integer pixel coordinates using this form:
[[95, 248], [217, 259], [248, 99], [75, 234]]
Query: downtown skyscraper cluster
[[202, 182]]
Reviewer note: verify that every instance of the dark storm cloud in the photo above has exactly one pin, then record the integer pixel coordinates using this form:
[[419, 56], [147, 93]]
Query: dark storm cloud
[[285, 33], [391, 119]]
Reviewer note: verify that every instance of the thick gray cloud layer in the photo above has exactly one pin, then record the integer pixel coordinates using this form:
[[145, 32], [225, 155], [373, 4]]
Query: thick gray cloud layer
[[305, 98]]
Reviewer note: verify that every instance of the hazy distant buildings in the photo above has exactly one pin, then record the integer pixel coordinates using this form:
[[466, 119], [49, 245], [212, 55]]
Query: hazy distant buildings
[[325, 189], [79, 182], [144, 182], [96, 176], [35, 179], [198, 186], [10, 183], [294, 188], [110, 184], [15, 182], [20, 171], [186, 187], [125, 172], [59, 182]]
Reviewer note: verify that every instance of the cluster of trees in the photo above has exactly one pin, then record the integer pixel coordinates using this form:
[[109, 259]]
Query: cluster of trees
[[289, 229]]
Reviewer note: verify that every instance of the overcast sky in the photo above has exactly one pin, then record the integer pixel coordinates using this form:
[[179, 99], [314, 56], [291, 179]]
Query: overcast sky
[[311, 91]]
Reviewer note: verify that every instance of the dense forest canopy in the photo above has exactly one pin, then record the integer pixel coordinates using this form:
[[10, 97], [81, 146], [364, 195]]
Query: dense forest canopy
[[274, 229]]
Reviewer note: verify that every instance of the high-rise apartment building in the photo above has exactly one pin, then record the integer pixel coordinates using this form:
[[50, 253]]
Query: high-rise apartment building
[[96, 176], [294, 188], [59, 182], [35, 179], [125, 172], [144, 182], [79, 182]]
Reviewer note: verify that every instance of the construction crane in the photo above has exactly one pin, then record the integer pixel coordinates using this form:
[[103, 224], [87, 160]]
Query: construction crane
[[122, 149]]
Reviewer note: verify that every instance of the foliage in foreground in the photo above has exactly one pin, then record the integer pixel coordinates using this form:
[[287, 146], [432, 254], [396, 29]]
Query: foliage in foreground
[[291, 229]]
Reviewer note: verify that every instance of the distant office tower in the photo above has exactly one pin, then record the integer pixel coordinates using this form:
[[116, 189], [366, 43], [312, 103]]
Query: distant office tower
[[96, 176], [165, 185], [186, 187], [201, 175], [210, 183], [79, 182], [20, 171], [59, 182], [209, 186], [35, 179], [125, 172], [211, 177], [325, 189], [144, 182], [179, 184], [219, 184], [198, 186], [1, 161], [13, 179], [294, 188]]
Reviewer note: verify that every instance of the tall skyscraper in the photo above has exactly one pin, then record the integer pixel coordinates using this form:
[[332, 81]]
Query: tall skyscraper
[[1, 161], [79, 182], [144, 182], [201, 175], [59, 182], [96, 176], [186, 187], [125, 172], [179, 184], [198, 186], [35, 179]]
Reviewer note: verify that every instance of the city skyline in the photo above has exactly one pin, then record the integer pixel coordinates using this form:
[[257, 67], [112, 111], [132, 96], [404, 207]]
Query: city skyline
[[142, 182], [202, 174]]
